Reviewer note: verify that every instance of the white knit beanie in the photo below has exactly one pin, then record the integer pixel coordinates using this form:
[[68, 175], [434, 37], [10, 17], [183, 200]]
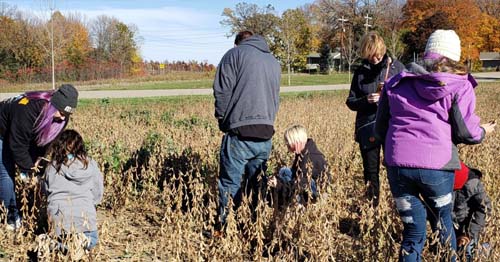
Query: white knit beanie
[[445, 43]]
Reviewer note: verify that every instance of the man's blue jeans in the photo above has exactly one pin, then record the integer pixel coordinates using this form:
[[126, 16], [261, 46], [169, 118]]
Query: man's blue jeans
[[239, 157], [7, 184], [287, 176], [93, 237], [435, 187]]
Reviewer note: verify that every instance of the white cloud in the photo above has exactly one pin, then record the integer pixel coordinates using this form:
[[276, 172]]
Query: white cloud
[[173, 33], [167, 14]]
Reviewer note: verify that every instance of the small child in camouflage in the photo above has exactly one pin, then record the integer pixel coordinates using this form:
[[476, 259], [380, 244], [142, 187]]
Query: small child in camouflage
[[471, 207]]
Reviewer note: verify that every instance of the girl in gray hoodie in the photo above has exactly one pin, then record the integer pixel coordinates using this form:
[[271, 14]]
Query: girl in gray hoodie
[[74, 186]]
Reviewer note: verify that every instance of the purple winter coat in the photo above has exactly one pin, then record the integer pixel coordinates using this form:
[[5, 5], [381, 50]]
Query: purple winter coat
[[416, 116]]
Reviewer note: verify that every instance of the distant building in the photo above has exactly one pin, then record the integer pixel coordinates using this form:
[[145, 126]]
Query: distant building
[[313, 61], [490, 60], [316, 63]]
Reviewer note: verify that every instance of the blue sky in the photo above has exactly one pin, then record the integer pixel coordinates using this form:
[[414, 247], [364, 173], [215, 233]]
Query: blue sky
[[170, 29]]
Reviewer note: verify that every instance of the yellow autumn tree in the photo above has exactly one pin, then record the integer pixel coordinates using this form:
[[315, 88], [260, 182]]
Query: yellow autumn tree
[[78, 46], [136, 68]]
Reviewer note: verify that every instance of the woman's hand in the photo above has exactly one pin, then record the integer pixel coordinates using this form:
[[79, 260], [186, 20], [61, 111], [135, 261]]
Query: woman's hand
[[272, 181], [489, 127], [373, 98], [297, 147], [36, 167], [462, 240]]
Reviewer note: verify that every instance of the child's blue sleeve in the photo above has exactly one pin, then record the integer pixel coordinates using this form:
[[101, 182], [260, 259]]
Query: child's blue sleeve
[[285, 174]]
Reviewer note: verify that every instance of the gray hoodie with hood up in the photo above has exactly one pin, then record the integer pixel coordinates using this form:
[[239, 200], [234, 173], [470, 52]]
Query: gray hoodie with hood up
[[72, 194], [247, 85]]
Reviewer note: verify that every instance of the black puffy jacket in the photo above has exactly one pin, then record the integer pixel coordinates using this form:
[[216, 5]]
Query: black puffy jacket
[[471, 206], [364, 82], [17, 121]]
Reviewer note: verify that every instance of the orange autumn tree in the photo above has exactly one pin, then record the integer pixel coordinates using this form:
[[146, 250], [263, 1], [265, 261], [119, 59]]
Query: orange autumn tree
[[414, 12], [490, 33], [466, 16], [478, 31]]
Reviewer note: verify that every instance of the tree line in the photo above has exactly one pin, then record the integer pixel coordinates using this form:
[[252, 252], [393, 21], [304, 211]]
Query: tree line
[[156, 68], [105, 47], [101, 48], [327, 26]]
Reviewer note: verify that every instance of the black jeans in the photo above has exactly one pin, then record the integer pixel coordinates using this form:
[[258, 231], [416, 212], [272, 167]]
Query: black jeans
[[371, 168]]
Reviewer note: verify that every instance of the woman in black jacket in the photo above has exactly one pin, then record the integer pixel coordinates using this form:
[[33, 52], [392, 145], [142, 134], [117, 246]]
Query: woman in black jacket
[[363, 98], [28, 123]]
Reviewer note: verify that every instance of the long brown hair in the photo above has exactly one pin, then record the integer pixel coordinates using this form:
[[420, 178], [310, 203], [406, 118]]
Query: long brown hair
[[69, 142], [446, 65]]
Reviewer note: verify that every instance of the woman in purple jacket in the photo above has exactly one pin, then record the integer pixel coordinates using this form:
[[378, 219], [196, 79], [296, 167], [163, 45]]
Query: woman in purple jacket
[[422, 114]]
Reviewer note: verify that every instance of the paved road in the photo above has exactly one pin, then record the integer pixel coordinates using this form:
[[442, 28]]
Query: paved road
[[186, 92], [180, 92], [482, 77]]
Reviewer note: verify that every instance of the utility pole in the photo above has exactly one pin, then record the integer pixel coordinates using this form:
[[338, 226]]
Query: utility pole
[[468, 59], [52, 7], [288, 62], [367, 23], [342, 21]]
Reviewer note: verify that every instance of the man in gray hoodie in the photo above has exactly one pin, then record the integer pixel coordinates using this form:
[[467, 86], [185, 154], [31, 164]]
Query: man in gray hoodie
[[246, 91]]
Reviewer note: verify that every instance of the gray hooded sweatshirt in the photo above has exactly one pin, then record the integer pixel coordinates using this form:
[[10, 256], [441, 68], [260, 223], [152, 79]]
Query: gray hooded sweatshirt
[[247, 85], [72, 195]]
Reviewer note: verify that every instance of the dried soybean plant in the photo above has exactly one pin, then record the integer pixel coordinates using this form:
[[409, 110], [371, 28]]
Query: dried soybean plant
[[159, 158]]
